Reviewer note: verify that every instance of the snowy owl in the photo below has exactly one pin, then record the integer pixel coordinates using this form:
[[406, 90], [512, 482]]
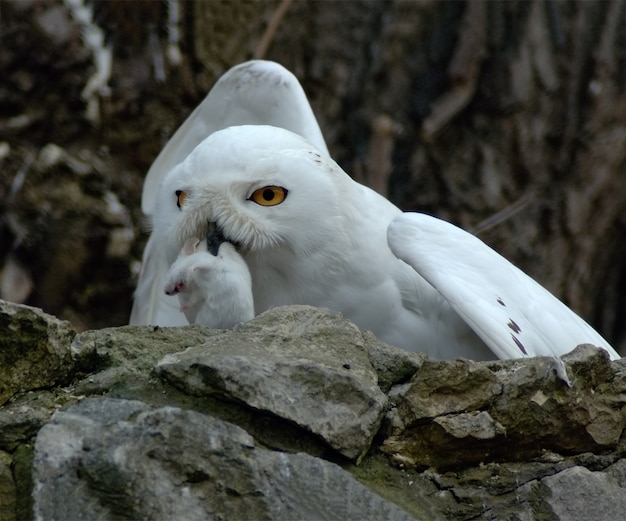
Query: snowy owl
[[309, 234], [256, 92]]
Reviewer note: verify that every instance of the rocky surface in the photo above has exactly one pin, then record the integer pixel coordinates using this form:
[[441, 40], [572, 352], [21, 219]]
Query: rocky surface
[[34, 350], [294, 371], [511, 410], [132, 461], [299, 415]]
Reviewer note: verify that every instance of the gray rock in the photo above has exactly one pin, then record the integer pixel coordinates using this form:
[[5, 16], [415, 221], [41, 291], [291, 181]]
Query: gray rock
[[578, 494], [501, 440], [137, 347], [440, 388], [392, 365], [303, 364], [124, 356], [461, 413], [22, 417], [477, 425], [110, 459], [534, 490], [588, 365], [34, 349]]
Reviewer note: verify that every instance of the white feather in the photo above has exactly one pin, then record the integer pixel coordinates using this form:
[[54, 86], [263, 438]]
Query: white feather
[[150, 306], [514, 315]]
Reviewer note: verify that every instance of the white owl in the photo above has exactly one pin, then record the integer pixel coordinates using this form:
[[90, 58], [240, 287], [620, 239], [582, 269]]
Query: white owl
[[309, 234]]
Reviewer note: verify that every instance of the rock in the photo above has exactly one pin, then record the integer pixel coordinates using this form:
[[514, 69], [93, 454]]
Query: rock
[[120, 458], [461, 413], [303, 364], [22, 417], [7, 489], [588, 365], [119, 362], [34, 349], [125, 356], [476, 425], [459, 439], [578, 494], [22, 467], [392, 365], [536, 490], [440, 388]]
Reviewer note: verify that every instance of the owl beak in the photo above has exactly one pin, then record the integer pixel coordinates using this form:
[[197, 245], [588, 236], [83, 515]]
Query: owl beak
[[214, 238]]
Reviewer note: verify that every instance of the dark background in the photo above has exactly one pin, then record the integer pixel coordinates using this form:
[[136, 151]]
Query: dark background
[[458, 109]]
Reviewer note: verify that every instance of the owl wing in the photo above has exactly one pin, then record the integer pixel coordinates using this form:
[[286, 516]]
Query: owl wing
[[151, 304], [514, 315], [257, 92]]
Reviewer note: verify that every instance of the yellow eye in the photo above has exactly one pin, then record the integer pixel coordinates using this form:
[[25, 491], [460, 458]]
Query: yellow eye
[[181, 196], [269, 195]]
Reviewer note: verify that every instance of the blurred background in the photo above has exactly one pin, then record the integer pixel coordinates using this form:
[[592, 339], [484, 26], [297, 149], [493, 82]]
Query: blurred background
[[506, 118]]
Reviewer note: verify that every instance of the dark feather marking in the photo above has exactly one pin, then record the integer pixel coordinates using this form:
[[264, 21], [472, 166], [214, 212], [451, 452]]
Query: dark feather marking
[[519, 344], [500, 301], [514, 326]]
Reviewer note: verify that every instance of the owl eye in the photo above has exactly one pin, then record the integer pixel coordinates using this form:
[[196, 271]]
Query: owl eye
[[269, 195], [181, 196]]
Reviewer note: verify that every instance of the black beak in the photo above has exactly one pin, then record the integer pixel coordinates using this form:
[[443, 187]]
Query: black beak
[[214, 238]]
